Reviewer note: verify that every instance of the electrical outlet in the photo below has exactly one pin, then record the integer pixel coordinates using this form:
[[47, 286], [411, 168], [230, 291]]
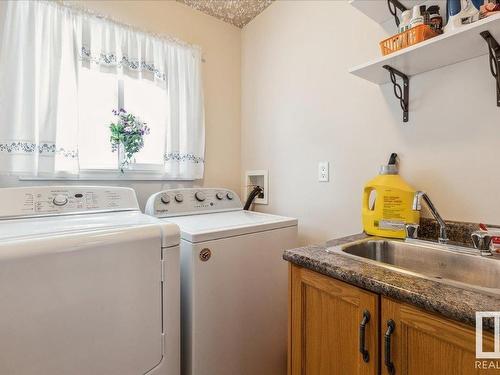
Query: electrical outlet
[[323, 171]]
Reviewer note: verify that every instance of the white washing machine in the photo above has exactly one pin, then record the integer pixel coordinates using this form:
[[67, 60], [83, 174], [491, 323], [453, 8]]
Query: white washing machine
[[88, 284], [233, 282]]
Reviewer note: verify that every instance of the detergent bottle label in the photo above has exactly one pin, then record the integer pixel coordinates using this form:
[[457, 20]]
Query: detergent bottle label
[[393, 206], [391, 225]]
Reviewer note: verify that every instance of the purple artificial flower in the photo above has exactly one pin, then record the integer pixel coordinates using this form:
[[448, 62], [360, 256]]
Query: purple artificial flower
[[128, 127]]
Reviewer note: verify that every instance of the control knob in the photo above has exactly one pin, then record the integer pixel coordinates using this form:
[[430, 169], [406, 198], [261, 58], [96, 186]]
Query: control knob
[[165, 199], [60, 200], [219, 196], [200, 196], [230, 195], [179, 198]]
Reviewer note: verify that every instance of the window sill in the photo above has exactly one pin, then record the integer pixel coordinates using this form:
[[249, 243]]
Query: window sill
[[105, 176]]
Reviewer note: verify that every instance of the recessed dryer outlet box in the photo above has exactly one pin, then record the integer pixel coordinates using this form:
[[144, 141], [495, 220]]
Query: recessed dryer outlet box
[[257, 178]]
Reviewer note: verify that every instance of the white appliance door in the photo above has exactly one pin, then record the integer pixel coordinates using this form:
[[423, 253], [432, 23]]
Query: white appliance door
[[82, 304], [236, 304]]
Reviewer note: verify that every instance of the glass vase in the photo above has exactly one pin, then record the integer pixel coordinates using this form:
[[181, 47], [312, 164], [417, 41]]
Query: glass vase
[[122, 158], [124, 163]]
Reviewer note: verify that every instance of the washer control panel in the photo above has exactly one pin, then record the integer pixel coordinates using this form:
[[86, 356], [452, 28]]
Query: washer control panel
[[54, 200], [179, 202]]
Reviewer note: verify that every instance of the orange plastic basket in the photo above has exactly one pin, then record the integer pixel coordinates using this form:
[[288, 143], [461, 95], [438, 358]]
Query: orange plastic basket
[[407, 38]]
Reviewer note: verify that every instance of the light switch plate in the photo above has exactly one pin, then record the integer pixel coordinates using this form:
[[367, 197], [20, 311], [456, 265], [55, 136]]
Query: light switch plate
[[323, 171]]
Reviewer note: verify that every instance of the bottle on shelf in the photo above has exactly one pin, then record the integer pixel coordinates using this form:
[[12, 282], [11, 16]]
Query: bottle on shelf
[[434, 18], [459, 16], [417, 16], [405, 20], [471, 11], [454, 15]]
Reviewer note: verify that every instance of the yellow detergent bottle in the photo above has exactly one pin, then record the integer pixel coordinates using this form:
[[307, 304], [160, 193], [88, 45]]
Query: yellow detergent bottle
[[387, 203]]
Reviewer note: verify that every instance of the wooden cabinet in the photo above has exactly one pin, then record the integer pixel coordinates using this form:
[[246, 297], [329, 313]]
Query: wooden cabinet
[[325, 317], [424, 343], [324, 333]]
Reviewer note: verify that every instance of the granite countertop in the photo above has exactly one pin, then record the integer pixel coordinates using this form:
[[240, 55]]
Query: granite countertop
[[448, 300]]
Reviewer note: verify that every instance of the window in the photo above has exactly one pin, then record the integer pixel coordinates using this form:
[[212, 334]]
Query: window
[[147, 100], [55, 113], [99, 94]]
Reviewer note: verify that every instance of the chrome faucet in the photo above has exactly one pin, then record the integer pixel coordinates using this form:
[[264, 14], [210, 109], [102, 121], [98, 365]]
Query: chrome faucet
[[411, 231], [417, 206], [482, 241]]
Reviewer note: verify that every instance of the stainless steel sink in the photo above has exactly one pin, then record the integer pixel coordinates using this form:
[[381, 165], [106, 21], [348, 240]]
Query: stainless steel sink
[[456, 265]]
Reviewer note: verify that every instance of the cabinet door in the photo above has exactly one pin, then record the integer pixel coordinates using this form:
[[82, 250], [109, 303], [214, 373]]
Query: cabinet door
[[424, 343], [325, 319]]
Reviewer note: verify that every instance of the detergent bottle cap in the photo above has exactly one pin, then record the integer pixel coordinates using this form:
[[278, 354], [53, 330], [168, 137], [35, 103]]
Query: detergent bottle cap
[[392, 165]]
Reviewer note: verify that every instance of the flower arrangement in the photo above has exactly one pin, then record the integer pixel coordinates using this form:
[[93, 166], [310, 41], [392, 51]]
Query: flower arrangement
[[127, 136]]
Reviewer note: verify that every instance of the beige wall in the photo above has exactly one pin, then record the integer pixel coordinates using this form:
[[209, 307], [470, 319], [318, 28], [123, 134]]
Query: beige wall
[[300, 105], [220, 43]]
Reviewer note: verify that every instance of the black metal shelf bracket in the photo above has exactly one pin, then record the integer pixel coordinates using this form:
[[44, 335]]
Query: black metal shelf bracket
[[393, 6], [403, 94], [494, 49]]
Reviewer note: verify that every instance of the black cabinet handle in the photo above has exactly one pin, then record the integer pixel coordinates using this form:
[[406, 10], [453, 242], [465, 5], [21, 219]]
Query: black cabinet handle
[[391, 326], [362, 329]]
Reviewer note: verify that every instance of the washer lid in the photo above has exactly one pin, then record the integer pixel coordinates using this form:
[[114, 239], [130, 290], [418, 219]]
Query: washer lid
[[34, 227], [199, 228]]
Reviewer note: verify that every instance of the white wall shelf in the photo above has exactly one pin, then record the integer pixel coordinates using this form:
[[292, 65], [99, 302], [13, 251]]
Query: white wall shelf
[[447, 49]]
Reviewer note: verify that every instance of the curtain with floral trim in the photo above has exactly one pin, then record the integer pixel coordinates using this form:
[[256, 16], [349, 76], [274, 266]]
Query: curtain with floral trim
[[38, 76], [44, 46]]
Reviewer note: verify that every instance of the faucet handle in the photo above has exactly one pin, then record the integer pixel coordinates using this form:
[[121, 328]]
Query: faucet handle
[[411, 230], [482, 241], [417, 198]]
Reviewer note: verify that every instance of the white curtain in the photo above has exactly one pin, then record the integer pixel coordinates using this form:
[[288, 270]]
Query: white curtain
[[38, 76], [43, 47]]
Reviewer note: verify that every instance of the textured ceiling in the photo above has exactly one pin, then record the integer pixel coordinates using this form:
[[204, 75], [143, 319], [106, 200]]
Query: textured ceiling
[[236, 12]]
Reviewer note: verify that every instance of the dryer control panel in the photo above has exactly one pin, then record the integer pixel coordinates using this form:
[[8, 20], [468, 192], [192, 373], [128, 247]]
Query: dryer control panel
[[56, 200], [179, 202]]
